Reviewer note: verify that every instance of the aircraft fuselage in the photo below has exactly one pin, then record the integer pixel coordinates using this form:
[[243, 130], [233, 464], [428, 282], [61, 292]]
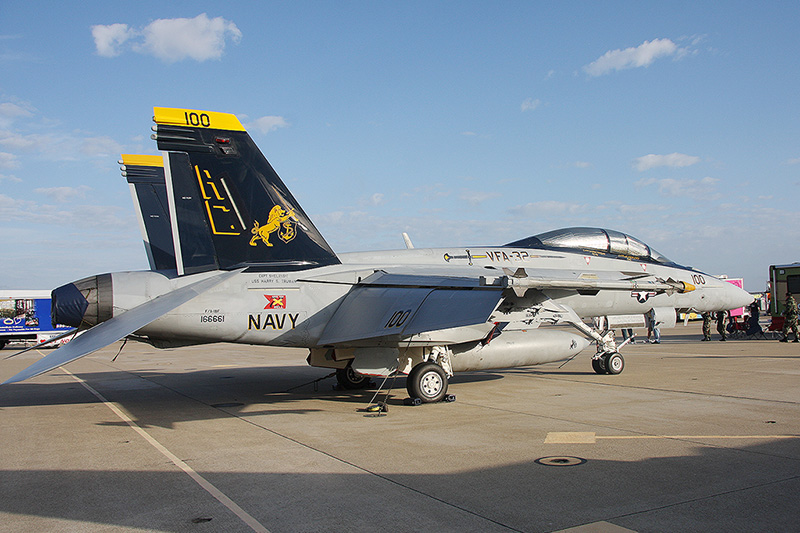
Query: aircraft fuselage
[[292, 308]]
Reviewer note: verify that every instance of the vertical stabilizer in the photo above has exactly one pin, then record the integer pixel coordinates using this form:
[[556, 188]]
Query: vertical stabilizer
[[145, 175], [230, 206]]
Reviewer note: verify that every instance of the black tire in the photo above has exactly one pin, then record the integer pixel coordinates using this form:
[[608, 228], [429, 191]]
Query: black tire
[[614, 363], [428, 382], [599, 366], [350, 379]]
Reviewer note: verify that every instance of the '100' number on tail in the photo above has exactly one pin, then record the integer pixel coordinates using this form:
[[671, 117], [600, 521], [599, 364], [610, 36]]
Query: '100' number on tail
[[195, 119]]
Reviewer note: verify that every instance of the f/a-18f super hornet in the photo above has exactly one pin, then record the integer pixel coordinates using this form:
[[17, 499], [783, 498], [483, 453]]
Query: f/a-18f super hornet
[[234, 258]]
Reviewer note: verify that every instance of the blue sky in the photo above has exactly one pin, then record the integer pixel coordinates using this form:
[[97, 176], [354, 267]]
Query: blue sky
[[461, 123]]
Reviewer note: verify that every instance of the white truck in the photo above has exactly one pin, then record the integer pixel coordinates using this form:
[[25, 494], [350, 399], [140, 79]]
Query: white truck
[[25, 317]]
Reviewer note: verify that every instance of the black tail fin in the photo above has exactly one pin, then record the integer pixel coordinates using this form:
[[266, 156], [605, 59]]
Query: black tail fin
[[230, 207], [145, 174]]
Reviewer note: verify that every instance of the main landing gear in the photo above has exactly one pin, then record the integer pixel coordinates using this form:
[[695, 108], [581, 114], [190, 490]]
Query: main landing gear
[[428, 382], [349, 379]]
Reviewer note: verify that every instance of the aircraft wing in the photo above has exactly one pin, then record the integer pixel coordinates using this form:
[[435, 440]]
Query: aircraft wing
[[120, 326], [401, 305], [399, 302]]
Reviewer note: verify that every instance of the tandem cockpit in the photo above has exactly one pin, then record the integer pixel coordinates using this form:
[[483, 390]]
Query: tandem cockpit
[[597, 240]]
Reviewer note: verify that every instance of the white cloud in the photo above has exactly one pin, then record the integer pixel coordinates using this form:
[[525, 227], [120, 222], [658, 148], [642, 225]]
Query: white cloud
[[641, 56], [8, 160], [103, 218], [100, 147], [686, 187], [267, 124], [793, 161], [646, 209], [530, 104], [430, 192], [199, 38], [374, 200], [670, 160], [52, 145], [109, 38], [55, 147], [547, 207], [63, 194], [9, 112], [474, 198]]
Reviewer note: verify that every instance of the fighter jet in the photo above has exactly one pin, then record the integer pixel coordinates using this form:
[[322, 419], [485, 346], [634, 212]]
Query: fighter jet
[[235, 258]]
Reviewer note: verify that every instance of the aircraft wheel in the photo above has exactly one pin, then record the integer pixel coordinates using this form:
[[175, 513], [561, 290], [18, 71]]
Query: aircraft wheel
[[599, 366], [614, 363], [428, 382], [350, 379]]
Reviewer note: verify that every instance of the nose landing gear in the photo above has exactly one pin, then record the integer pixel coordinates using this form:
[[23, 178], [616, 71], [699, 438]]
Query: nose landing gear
[[608, 363]]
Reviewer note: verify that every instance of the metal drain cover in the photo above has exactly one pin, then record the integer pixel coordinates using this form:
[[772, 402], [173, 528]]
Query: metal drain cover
[[560, 460]]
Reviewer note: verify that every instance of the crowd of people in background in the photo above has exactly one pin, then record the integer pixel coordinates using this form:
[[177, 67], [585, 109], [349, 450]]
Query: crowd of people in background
[[727, 325]]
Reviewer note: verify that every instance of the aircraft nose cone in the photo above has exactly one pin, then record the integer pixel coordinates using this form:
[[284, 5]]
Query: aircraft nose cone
[[736, 297]]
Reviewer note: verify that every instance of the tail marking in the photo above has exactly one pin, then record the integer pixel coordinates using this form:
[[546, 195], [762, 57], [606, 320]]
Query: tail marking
[[278, 218]]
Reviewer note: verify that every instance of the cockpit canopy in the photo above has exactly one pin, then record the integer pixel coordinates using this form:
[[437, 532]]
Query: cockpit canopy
[[593, 239]]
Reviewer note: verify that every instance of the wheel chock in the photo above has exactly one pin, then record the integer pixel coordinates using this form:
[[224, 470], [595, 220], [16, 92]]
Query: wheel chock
[[413, 402], [379, 407], [449, 398]]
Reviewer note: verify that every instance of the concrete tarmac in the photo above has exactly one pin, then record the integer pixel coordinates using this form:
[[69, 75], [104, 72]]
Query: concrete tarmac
[[692, 436]]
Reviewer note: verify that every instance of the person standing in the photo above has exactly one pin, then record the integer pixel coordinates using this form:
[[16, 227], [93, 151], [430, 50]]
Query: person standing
[[706, 326], [654, 327], [789, 318], [721, 325], [753, 328]]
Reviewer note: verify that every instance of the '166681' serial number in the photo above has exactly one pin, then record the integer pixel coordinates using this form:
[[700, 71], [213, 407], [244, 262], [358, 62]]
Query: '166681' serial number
[[212, 318]]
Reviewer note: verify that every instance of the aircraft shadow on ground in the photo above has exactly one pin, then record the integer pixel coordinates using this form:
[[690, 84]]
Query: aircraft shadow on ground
[[709, 489], [150, 396]]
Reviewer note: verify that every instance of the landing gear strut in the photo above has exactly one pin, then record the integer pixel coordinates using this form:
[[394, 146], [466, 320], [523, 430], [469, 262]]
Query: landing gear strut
[[607, 360]]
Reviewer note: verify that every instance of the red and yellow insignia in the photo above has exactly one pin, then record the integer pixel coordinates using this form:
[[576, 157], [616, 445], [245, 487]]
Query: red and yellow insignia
[[275, 302]]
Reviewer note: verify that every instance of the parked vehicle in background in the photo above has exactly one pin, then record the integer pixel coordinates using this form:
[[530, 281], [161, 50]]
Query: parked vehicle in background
[[25, 317], [782, 279]]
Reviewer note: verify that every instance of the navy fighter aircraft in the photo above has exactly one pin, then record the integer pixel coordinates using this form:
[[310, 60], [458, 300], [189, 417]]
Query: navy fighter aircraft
[[234, 258]]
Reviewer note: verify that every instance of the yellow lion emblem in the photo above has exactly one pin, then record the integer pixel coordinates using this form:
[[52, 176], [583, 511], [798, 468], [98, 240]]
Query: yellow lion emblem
[[278, 217]]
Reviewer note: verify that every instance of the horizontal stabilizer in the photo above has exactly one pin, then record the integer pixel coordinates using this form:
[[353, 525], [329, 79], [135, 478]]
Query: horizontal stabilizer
[[120, 326]]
